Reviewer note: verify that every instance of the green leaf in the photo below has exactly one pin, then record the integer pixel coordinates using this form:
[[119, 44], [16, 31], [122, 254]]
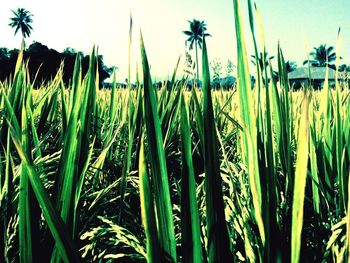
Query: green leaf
[[24, 209], [159, 173], [58, 229], [248, 120], [300, 180], [190, 224], [218, 241], [147, 209]]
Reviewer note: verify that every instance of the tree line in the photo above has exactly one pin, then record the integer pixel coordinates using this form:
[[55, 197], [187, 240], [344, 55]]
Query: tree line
[[44, 62], [321, 56]]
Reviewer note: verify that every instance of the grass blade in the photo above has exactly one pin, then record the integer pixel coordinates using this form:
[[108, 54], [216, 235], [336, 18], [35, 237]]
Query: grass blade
[[25, 227], [300, 180], [147, 209], [59, 231], [218, 241], [248, 120], [159, 171], [190, 224]]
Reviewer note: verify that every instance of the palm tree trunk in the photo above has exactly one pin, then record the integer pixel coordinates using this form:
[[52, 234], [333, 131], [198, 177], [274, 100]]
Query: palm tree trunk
[[197, 67], [23, 44]]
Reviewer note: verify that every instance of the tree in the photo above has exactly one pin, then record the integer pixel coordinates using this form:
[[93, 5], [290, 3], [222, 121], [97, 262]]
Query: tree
[[44, 62], [263, 60], [291, 66], [195, 37], [4, 63], [216, 67], [229, 67], [322, 56], [21, 21], [343, 68], [103, 71]]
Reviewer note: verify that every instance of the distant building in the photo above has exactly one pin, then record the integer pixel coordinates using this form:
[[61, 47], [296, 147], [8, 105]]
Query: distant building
[[301, 76]]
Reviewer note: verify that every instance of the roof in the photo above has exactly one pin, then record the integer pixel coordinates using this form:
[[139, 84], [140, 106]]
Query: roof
[[317, 73]]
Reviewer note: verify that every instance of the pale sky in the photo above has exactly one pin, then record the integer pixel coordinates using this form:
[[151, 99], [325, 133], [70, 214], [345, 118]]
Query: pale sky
[[81, 24]]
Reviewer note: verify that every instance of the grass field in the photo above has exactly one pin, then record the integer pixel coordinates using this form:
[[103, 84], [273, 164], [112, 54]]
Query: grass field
[[256, 174]]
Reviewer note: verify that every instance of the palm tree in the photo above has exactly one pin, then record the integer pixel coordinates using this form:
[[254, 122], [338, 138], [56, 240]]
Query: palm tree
[[322, 56], [291, 66], [263, 60], [344, 67], [21, 21], [195, 36]]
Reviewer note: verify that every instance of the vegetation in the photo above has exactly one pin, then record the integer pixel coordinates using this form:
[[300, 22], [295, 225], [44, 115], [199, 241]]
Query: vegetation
[[291, 66], [262, 60], [256, 173], [43, 63], [322, 56], [22, 21], [195, 37]]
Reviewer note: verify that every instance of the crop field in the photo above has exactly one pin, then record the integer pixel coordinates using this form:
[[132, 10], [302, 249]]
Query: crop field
[[174, 174]]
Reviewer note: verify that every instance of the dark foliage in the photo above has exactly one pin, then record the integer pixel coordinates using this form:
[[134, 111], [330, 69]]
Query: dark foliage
[[44, 62], [322, 56]]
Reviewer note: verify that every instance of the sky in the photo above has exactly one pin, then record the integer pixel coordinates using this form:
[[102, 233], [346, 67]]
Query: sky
[[298, 25]]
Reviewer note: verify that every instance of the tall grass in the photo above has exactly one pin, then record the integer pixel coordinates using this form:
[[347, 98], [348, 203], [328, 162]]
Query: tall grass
[[256, 173]]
